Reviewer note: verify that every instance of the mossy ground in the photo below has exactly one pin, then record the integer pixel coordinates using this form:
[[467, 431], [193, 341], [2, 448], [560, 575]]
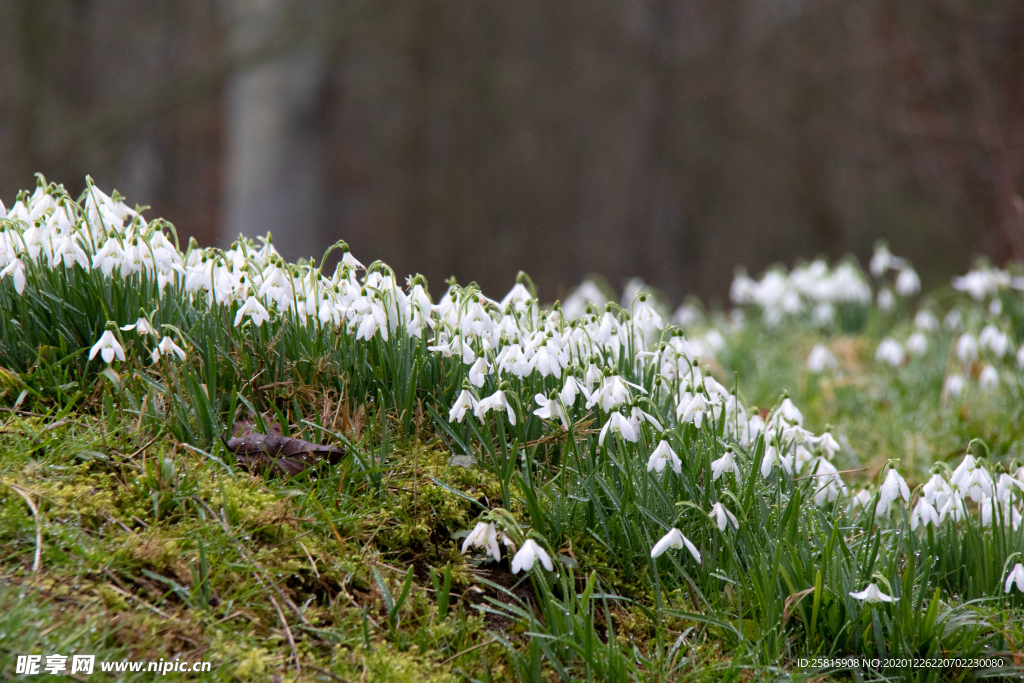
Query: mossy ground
[[151, 550]]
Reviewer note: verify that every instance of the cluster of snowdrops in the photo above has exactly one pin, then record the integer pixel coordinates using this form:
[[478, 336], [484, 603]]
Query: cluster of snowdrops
[[636, 375]]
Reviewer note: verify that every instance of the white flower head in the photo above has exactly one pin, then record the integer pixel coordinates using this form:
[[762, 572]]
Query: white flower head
[[1016, 576], [464, 402], [674, 539], [528, 556], [664, 455], [890, 351], [724, 464], [618, 423], [485, 537], [166, 346], [821, 359], [255, 310], [140, 326], [872, 594], [108, 348], [722, 516]]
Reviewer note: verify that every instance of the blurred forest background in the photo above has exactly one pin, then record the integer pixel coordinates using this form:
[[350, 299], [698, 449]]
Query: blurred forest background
[[672, 139]]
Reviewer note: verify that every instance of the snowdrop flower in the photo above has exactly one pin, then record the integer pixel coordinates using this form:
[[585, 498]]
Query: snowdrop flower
[[894, 487], [255, 310], [989, 379], [478, 372], [963, 471], [694, 410], [722, 516], [860, 499], [620, 425], [141, 326], [936, 491], [954, 385], [528, 556], [926, 320], [886, 300], [495, 401], [954, 508], [966, 348], [16, 270], [1020, 357], [166, 346], [821, 359], [889, 351], [772, 458], [464, 402], [724, 464], [923, 513], [674, 539], [570, 390], [872, 594], [645, 317], [828, 445], [550, 409], [917, 344], [907, 282], [485, 537], [107, 347], [662, 456], [996, 341], [1016, 576], [790, 413]]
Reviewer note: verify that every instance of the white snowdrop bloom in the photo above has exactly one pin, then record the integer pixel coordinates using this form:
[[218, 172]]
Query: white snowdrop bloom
[[952, 320], [923, 513], [140, 326], [890, 351], [907, 282], [550, 409], [694, 409], [16, 271], [686, 315], [963, 471], [528, 556], [990, 508], [954, 385], [1005, 486], [886, 300], [1020, 357], [611, 393], [255, 310], [917, 344], [977, 484], [926, 321], [860, 500], [966, 348], [988, 380], [789, 412], [664, 455], [618, 424], [882, 260], [894, 487], [954, 509], [828, 445], [722, 516], [464, 402], [108, 348], [802, 456], [495, 401], [570, 390], [995, 307], [518, 298], [645, 317], [478, 372], [1016, 576], [485, 537], [674, 539], [724, 464], [547, 363], [872, 594], [994, 340], [821, 359], [167, 346], [772, 459], [936, 491]]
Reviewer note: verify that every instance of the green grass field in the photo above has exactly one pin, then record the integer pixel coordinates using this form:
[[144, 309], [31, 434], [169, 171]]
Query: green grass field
[[134, 528]]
